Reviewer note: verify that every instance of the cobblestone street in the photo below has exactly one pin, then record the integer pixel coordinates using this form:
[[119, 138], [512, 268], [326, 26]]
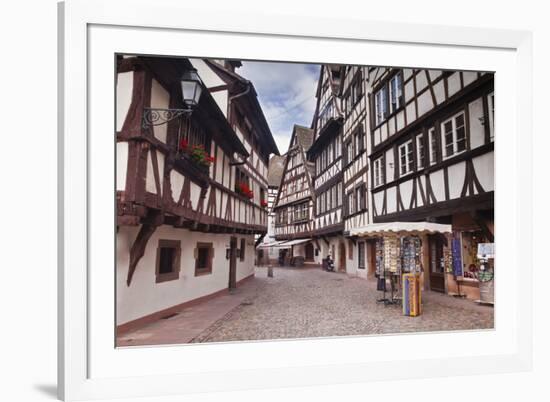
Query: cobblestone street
[[308, 302]]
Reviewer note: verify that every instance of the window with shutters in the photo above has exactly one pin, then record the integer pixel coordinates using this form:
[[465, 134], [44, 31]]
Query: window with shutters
[[204, 254], [406, 158], [379, 171], [168, 260]]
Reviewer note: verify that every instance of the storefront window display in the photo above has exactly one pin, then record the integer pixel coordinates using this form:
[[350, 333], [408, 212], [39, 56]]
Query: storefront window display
[[471, 263]]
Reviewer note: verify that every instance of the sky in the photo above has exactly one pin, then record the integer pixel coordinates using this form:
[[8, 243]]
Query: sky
[[286, 92]]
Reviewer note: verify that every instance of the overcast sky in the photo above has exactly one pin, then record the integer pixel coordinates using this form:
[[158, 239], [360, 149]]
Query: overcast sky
[[287, 95]]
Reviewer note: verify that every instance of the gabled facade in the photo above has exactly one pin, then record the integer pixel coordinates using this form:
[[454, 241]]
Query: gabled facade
[[294, 203], [432, 159], [179, 193], [326, 156]]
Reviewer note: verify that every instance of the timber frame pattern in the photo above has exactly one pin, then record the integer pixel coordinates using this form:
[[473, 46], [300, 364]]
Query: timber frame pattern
[[217, 208]]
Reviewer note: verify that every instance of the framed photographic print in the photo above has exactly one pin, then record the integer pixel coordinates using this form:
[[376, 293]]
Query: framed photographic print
[[244, 198]]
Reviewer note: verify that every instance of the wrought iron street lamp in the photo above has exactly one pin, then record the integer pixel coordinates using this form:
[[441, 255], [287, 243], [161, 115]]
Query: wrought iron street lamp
[[191, 90]]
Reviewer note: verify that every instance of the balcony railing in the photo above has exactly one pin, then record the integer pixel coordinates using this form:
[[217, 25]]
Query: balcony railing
[[329, 112]]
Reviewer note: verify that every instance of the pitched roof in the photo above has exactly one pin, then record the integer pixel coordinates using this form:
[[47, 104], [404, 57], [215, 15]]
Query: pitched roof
[[304, 136], [275, 170]]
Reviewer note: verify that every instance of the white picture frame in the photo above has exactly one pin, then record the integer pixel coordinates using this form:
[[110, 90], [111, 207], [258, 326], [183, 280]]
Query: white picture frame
[[92, 31]]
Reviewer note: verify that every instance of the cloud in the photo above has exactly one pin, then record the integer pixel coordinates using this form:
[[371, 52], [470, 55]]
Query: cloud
[[286, 92]]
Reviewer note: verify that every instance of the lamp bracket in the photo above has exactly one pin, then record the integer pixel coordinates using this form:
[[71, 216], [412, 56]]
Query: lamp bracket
[[158, 117]]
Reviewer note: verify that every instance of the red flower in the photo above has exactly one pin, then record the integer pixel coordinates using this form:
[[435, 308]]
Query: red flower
[[263, 203], [184, 144]]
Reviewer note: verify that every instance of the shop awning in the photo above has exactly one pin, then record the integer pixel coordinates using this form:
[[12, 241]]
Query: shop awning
[[297, 241], [379, 229], [274, 244], [283, 243]]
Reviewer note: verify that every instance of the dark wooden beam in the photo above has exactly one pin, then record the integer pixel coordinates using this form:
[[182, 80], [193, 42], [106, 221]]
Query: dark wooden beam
[[149, 226]]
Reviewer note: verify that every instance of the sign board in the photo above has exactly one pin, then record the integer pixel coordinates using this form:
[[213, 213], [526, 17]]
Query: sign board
[[457, 257], [486, 250]]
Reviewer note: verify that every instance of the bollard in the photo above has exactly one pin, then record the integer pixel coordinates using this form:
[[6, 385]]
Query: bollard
[[269, 271]]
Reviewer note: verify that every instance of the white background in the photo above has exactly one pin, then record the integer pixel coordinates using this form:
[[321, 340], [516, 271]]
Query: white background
[[28, 228]]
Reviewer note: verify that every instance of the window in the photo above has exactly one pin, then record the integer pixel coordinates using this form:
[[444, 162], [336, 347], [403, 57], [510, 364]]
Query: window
[[396, 93], [453, 135], [350, 204], [168, 260], [361, 254], [491, 102], [349, 152], [354, 93], [379, 172], [360, 198], [329, 200], [433, 146], [420, 154], [406, 158], [242, 249], [338, 194], [359, 139], [204, 254], [333, 194], [381, 104]]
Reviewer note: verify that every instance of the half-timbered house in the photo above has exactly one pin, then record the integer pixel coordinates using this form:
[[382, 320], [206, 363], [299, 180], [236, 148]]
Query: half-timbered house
[[266, 253], [294, 203], [326, 155], [431, 159], [355, 147], [189, 187]]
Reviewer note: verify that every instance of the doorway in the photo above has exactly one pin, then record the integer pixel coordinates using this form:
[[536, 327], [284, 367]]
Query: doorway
[[342, 257], [371, 258], [232, 263], [437, 264], [309, 252]]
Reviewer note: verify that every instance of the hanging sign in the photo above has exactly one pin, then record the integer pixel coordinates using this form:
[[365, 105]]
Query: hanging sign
[[457, 257]]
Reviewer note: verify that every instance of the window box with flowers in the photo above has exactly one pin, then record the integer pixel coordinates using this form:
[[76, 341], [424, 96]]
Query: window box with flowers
[[194, 159], [263, 203], [244, 190]]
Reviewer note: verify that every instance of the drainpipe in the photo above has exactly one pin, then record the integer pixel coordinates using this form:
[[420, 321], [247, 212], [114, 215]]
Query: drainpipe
[[229, 115]]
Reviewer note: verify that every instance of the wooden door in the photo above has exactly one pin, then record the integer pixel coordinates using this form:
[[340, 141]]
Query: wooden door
[[371, 258], [233, 263], [342, 257], [437, 267]]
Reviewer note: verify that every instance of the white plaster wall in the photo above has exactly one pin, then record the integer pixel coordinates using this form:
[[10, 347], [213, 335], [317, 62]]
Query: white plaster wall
[[160, 98], [144, 296], [477, 130], [391, 201], [457, 173], [438, 185], [121, 165], [150, 177], [411, 112], [422, 180], [405, 189], [425, 103], [453, 84], [421, 81], [468, 77], [390, 166], [124, 87], [485, 170], [439, 91]]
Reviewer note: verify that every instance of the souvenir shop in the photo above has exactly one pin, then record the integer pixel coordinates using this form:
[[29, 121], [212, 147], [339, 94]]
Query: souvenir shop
[[402, 256]]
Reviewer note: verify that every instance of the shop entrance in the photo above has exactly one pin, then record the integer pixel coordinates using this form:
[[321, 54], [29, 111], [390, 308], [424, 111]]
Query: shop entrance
[[309, 252], [437, 264]]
